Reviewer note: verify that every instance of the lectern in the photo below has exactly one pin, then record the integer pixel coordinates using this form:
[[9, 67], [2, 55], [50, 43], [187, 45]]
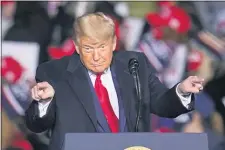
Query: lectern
[[135, 141]]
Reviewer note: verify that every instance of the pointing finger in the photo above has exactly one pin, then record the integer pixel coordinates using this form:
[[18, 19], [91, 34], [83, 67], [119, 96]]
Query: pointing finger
[[195, 90], [46, 95], [42, 85], [40, 93], [196, 79], [197, 85]]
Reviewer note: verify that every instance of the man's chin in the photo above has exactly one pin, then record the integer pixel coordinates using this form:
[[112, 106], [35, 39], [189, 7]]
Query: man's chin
[[98, 69]]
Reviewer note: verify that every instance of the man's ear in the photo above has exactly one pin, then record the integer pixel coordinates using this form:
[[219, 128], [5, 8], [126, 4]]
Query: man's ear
[[77, 47], [114, 43]]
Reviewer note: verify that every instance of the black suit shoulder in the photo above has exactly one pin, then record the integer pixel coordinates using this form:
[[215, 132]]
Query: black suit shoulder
[[125, 56], [52, 70], [55, 69], [61, 64], [57, 64]]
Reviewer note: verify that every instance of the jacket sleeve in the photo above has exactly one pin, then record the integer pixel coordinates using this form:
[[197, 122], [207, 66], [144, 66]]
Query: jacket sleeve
[[34, 122], [164, 102]]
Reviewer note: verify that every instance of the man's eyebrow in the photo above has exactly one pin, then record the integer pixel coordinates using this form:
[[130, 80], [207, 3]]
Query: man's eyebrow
[[105, 43], [102, 44], [86, 46]]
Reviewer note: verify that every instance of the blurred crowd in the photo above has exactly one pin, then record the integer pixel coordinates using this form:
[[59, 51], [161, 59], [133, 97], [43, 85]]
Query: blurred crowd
[[178, 38]]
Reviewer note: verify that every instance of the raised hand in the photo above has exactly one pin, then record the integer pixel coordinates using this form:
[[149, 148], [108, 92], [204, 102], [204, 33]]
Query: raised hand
[[42, 91], [192, 84]]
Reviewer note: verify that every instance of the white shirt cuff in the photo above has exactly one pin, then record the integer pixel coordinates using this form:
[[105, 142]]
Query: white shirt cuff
[[43, 107], [185, 100]]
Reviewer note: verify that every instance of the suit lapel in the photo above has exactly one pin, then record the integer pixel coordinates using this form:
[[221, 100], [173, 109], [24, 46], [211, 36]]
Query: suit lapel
[[78, 81], [126, 89]]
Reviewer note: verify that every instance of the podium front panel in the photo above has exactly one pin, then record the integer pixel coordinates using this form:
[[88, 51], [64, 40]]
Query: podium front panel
[[135, 141]]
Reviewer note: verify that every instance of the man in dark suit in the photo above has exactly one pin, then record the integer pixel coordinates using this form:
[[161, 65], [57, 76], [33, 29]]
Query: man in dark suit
[[93, 91]]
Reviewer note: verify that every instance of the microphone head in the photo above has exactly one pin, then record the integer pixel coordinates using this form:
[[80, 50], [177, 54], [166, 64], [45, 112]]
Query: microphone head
[[133, 65]]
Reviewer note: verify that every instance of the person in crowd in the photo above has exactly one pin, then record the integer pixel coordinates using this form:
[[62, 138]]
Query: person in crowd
[[165, 43], [12, 137], [216, 142]]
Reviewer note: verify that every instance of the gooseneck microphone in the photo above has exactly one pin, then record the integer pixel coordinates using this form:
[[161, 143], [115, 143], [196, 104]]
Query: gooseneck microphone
[[133, 69], [133, 66]]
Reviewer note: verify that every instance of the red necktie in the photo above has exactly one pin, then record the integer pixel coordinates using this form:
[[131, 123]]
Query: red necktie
[[103, 97]]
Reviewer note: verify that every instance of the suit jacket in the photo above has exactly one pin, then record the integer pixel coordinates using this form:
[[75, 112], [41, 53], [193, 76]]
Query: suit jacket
[[73, 107]]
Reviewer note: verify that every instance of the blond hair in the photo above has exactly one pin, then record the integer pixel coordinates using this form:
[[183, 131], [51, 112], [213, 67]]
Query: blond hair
[[96, 26]]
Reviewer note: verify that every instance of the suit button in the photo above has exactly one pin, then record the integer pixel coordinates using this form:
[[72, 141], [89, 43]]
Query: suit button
[[190, 106], [34, 117]]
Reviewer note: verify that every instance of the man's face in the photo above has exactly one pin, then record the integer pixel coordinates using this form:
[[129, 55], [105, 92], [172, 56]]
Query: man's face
[[96, 55]]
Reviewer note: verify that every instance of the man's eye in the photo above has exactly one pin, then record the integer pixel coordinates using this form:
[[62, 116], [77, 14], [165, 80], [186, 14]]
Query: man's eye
[[102, 46], [87, 49]]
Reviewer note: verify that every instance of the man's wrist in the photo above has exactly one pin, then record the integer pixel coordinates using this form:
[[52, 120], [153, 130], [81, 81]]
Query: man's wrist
[[44, 101], [180, 91]]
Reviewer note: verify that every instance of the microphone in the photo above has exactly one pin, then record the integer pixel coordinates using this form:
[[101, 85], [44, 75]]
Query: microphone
[[133, 66]]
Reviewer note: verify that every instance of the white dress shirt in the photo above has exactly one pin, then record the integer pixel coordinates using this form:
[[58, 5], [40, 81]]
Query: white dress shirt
[[107, 81]]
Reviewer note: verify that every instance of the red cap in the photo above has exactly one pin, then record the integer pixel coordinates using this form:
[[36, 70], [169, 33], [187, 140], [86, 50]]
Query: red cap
[[173, 17], [157, 32], [68, 48]]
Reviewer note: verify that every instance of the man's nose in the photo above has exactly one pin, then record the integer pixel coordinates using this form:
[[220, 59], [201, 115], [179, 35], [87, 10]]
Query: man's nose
[[96, 55]]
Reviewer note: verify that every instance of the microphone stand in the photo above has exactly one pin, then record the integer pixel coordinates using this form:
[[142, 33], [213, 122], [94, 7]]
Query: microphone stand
[[139, 96]]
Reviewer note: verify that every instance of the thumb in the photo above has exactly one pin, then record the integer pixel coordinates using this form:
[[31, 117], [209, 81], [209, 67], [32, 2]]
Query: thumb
[[46, 94], [40, 93], [42, 85]]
